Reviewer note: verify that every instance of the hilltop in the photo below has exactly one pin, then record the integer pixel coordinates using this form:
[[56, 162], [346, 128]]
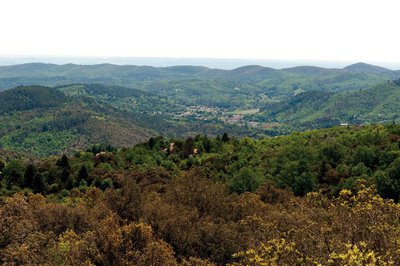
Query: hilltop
[[29, 97], [367, 68]]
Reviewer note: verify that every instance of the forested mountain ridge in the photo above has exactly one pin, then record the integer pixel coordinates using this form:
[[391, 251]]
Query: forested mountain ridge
[[135, 76]]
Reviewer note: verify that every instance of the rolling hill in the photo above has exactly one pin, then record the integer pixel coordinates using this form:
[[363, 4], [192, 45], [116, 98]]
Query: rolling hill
[[26, 98], [282, 81], [314, 109], [367, 68], [44, 121]]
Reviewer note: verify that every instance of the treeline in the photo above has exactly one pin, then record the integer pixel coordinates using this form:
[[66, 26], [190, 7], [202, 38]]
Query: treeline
[[329, 159], [325, 197]]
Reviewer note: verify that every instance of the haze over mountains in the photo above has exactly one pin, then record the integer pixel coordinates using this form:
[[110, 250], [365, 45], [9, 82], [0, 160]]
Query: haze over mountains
[[219, 63], [128, 75], [76, 106]]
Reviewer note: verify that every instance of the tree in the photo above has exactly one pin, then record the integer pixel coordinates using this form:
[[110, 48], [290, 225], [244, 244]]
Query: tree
[[14, 172], [2, 164], [207, 144], [29, 175], [151, 143], [304, 183], [65, 175], [245, 180], [188, 147], [83, 173], [225, 137], [63, 162], [388, 182], [38, 184]]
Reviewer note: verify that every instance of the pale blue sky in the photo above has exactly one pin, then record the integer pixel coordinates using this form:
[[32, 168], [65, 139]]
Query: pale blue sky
[[351, 30]]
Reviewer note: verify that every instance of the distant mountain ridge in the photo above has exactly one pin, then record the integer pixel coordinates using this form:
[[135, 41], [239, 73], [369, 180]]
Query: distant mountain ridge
[[30, 68], [359, 75]]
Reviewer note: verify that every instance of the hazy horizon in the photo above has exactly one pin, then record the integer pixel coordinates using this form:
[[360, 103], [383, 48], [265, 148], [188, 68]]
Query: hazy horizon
[[219, 63]]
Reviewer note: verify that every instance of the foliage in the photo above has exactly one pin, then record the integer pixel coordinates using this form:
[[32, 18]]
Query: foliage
[[322, 197]]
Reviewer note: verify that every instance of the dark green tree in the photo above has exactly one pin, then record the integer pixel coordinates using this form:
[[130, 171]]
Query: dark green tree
[[225, 137], [38, 184], [207, 144], [2, 164], [29, 175], [65, 175], [245, 181], [14, 172], [304, 183], [388, 184], [151, 143], [83, 173], [188, 147], [63, 162]]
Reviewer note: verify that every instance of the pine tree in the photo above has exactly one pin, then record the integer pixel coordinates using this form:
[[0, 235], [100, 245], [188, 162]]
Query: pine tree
[[207, 145], [188, 147], [38, 184], [65, 175], [63, 162], [225, 137], [151, 143], [83, 173], [29, 175]]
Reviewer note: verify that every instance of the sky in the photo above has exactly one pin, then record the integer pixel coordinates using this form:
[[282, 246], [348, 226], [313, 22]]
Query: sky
[[337, 30]]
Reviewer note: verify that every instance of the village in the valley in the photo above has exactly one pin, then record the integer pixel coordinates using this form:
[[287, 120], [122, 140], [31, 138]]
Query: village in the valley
[[242, 118]]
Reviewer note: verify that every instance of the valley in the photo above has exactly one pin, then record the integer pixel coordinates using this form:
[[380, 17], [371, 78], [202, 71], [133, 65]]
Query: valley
[[125, 105]]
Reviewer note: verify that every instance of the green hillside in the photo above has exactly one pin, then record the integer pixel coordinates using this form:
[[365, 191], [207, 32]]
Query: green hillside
[[29, 97], [75, 116], [44, 121], [313, 109]]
